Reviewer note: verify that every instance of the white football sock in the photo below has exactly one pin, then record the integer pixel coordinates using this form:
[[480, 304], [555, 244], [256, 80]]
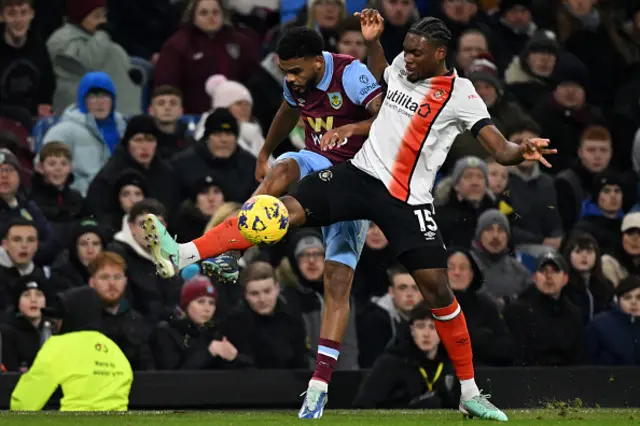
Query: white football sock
[[469, 389], [319, 384], [187, 254]]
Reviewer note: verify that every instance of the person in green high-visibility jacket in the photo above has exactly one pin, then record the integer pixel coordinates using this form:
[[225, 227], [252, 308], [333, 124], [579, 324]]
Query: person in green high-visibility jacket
[[91, 369]]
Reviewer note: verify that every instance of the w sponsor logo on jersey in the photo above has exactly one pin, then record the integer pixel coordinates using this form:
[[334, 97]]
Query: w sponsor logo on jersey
[[406, 105]]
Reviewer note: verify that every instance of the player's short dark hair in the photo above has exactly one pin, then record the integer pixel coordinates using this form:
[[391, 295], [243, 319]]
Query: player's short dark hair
[[525, 124], [164, 90], [299, 42], [147, 206], [433, 30]]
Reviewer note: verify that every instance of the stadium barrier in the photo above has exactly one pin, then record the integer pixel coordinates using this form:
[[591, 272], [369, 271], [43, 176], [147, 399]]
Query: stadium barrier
[[614, 387]]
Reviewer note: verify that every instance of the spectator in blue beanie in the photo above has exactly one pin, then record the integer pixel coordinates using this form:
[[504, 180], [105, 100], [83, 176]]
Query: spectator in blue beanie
[[91, 128]]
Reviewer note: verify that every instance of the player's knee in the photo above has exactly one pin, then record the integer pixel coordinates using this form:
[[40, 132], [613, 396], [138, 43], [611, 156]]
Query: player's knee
[[338, 281]]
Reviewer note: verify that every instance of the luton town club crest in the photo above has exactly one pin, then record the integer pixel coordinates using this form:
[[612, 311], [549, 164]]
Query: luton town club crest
[[335, 99]]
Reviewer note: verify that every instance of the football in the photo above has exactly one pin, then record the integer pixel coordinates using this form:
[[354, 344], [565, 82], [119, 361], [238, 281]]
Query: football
[[263, 219]]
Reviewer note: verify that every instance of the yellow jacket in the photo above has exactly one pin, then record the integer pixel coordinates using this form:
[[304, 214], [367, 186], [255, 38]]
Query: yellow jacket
[[92, 370]]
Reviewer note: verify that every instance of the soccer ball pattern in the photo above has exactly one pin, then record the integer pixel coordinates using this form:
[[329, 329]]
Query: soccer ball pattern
[[263, 219]]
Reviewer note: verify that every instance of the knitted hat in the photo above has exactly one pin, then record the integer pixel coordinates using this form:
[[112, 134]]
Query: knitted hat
[[8, 157], [86, 226], [551, 258], [225, 93], [507, 5], [492, 217], [630, 221], [130, 177], [601, 180], [221, 120], [77, 10], [196, 287], [483, 68], [203, 184], [571, 70], [140, 124], [627, 284], [466, 163], [541, 41], [24, 283], [306, 243]]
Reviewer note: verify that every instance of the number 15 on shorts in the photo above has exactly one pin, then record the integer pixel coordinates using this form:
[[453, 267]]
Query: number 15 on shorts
[[425, 219]]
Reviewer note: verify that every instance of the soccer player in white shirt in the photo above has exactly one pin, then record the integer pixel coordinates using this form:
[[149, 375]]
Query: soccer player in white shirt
[[390, 179]]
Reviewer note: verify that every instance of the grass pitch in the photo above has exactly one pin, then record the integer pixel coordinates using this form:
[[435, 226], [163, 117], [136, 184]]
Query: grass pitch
[[546, 417]]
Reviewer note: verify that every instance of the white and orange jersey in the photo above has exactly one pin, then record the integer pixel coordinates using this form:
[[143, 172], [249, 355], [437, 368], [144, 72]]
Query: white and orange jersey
[[415, 128]]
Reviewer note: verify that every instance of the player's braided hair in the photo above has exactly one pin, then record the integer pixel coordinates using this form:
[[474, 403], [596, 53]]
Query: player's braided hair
[[433, 30], [299, 42]]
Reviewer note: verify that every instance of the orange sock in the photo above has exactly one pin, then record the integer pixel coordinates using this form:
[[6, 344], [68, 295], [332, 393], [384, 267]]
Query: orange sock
[[221, 239], [452, 329]]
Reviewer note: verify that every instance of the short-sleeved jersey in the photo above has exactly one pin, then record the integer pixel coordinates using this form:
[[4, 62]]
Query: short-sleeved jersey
[[340, 98], [415, 128]]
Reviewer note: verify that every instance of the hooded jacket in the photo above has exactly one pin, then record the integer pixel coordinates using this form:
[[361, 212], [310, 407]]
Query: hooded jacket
[[154, 297], [492, 342], [91, 142], [613, 338], [396, 380], [307, 299], [74, 52]]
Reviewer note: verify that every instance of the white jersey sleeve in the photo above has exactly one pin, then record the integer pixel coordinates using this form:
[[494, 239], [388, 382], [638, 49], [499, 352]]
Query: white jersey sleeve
[[471, 111]]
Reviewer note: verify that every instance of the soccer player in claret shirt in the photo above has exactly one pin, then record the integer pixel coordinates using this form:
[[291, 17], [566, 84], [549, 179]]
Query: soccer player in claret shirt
[[337, 98]]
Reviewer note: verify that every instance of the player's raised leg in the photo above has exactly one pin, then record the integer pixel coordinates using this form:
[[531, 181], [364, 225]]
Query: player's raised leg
[[344, 242]]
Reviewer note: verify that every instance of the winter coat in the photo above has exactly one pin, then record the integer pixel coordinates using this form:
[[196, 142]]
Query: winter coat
[[604, 229], [397, 380], [9, 275], [188, 223], [564, 127], [104, 203], [127, 328], [527, 88], [154, 297], [371, 279], [61, 207], [170, 144], [235, 172], [547, 332], [492, 341], [26, 73], [457, 219], [613, 338], [180, 345], [74, 52], [21, 341], [378, 327], [80, 132], [504, 277], [276, 341], [534, 198], [48, 244], [190, 57]]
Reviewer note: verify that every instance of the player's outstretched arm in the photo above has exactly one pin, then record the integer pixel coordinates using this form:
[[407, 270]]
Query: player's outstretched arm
[[508, 153], [372, 24], [283, 123]]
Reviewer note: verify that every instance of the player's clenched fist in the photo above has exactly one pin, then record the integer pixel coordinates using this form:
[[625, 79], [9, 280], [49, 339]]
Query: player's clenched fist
[[372, 24]]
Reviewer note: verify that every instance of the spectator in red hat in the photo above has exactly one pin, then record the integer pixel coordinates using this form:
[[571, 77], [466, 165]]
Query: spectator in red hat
[[193, 342], [83, 44], [204, 46]]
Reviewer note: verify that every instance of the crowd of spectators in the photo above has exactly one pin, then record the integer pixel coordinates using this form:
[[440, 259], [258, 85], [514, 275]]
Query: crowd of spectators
[[110, 110]]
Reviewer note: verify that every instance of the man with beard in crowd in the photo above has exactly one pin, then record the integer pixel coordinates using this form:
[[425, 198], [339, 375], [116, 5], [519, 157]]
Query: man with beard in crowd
[[120, 323]]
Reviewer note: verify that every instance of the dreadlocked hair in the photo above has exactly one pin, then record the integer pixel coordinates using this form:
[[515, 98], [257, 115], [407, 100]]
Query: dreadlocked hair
[[433, 30], [299, 42]]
